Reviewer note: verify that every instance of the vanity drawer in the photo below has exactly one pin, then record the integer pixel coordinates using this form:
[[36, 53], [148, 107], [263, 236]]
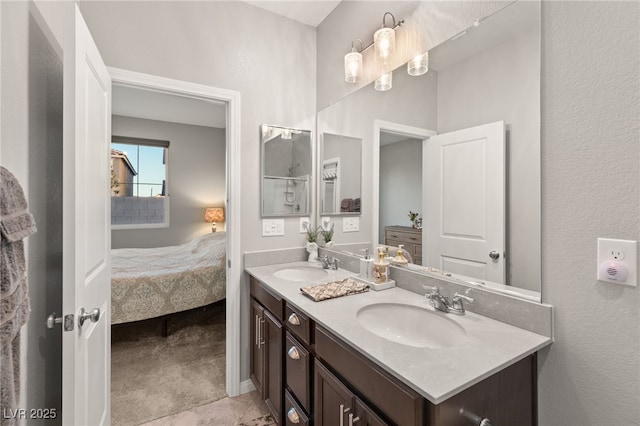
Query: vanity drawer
[[401, 404], [298, 324], [270, 301], [403, 237], [298, 371], [293, 414]]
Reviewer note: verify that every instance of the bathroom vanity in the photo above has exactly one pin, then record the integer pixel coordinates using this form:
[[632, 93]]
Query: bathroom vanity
[[329, 363]]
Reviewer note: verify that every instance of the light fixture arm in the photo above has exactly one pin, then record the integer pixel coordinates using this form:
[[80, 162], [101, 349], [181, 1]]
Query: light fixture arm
[[353, 48], [392, 17]]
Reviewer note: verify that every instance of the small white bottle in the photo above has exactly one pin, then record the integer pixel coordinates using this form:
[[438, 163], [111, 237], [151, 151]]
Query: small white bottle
[[366, 266]]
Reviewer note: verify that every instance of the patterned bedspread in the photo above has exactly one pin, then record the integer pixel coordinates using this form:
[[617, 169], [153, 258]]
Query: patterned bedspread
[[151, 282]]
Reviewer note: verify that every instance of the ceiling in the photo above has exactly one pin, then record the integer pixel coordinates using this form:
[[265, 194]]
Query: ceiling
[[150, 105], [307, 12]]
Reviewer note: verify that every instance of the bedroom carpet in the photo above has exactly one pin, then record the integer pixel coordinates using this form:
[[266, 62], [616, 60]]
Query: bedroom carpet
[[154, 376]]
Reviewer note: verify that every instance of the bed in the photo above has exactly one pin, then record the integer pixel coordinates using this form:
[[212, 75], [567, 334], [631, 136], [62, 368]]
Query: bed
[[155, 282]]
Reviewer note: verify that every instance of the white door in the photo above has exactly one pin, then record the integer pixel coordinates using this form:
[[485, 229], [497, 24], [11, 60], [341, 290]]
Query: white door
[[464, 202], [86, 349]]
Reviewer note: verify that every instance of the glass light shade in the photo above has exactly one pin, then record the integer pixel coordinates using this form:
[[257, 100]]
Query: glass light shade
[[286, 134], [384, 82], [385, 43], [352, 66], [418, 65]]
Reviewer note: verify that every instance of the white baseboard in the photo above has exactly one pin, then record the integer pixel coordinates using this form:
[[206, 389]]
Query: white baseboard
[[246, 386]]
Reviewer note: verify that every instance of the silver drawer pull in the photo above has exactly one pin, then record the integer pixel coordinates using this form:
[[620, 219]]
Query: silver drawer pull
[[485, 422], [293, 416], [293, 319], [353, 420], [293, 353]]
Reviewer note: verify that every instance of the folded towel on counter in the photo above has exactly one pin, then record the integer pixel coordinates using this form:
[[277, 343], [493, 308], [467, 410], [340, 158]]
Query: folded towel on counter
[[334, 289]]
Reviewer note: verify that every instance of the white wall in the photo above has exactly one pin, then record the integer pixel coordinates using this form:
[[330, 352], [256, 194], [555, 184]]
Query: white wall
[[400, 183], [196, 179], [590, 175], [503, 83]]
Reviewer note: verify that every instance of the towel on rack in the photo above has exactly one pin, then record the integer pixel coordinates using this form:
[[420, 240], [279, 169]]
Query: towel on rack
[[334, 289], [16, 223], [345, 204]]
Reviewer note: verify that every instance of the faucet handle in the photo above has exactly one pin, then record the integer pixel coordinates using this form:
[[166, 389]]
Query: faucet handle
[[458, 297]]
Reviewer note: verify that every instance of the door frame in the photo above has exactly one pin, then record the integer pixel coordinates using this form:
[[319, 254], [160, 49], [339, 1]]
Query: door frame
[[401, 129], [233, 197]]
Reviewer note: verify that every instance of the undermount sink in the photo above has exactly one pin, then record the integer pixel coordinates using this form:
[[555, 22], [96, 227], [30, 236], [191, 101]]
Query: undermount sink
[[411, 325], [301, 273]]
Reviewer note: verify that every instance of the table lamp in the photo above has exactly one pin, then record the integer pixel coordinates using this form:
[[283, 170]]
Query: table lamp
[[213, 215]]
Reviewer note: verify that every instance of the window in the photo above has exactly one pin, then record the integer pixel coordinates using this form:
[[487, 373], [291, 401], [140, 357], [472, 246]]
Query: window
[[139, 196]]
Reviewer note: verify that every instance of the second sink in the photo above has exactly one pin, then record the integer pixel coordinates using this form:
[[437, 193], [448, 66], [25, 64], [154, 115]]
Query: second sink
[[411, 325], [301, 273]]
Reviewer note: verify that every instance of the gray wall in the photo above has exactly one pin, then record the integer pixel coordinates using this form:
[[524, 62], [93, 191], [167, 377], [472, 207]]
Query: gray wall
[[31, 148], [503, 83], [196, 179], [400, 183], [590, 175], [349, 151]]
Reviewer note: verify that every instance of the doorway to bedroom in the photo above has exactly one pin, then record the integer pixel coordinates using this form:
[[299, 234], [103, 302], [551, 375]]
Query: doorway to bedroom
[[168, 189]]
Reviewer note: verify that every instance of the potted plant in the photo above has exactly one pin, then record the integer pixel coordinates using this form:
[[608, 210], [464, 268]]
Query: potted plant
[[312, 242], [416, 220], [327, 235]]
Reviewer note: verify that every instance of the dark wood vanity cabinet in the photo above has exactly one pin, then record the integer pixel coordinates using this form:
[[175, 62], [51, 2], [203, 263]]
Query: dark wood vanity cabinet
[[308, 376], [267, 342]]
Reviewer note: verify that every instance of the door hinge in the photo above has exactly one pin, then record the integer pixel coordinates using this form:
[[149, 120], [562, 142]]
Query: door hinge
[[229, 263]]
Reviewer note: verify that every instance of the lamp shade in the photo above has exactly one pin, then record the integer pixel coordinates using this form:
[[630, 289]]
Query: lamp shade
[[419, 64], [352, 66], [215, 214], [384, 82], [385, 43]]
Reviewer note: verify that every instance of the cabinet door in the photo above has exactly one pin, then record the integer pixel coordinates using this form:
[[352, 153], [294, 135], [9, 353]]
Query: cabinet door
[[332, 401], [257, 346], [364, 416], [273, 389]]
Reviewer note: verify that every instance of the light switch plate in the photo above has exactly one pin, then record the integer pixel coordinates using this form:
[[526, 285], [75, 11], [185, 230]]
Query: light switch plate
[[272, 227], [350, 224], [620, 252]]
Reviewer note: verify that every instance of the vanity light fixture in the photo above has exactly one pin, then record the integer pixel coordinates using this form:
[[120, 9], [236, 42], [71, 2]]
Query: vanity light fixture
[[419, 65], [353, 63], [384, 41], [286, 134]]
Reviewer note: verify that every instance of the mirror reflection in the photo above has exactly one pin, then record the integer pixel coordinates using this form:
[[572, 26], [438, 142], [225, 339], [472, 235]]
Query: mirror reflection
[[286, 171], [476, 184], [340, 173]]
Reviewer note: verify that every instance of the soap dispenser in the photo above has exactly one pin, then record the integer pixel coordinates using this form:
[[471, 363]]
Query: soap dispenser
[[399, 260], [380, 268], [366, 266]]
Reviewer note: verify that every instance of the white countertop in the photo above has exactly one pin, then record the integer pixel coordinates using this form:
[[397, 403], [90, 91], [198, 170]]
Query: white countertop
[[436, 374]]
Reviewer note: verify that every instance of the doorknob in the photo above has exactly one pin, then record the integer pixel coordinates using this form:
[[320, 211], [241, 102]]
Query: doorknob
[[94, 316], [494, 255]]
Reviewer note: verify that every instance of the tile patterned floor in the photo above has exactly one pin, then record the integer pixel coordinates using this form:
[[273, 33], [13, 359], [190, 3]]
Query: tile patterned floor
[[244, 410]]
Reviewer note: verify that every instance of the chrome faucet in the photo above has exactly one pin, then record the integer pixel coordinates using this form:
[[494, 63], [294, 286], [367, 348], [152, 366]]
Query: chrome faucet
[[441, 303], [329, 262]]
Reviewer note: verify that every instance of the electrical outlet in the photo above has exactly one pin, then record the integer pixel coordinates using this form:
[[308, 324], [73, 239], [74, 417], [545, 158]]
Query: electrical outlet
[[617, 261], [304, 224]]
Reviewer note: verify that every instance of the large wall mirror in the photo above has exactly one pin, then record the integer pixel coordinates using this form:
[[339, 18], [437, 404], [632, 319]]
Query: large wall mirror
[[340, 175], [286, 171], [481, 97]]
